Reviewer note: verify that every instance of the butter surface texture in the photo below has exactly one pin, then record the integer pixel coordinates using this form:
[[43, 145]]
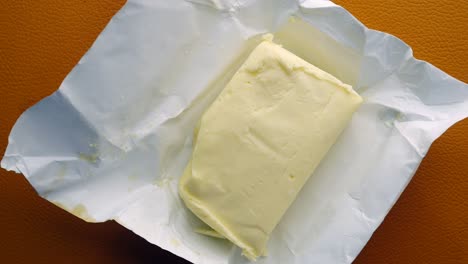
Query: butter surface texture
[[259, 141]]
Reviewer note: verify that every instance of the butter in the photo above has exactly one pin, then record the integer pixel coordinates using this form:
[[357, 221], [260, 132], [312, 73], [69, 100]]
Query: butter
[[259, 142], [209, 232]]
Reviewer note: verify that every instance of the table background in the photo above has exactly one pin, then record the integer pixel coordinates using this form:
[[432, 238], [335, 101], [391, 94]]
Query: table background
[[40, 42]]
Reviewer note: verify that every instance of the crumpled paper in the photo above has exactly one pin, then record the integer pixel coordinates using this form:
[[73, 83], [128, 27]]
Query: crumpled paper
[[112, 142]]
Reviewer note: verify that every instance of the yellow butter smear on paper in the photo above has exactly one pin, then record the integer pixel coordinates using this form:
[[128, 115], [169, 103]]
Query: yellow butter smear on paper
[[258, 143], [79, 211]]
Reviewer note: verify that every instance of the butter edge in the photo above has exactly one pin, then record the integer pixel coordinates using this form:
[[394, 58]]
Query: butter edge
[[307, 67], [211, 219]]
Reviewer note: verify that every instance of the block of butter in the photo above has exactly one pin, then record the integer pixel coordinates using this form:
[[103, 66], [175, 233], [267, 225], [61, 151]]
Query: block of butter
[[258, 143]]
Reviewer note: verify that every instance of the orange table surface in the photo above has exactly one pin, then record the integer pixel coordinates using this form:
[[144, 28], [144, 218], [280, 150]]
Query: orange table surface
[[40, 42]]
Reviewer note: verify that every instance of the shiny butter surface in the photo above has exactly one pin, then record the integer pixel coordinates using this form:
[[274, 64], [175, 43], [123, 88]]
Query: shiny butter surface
[[258, 143]]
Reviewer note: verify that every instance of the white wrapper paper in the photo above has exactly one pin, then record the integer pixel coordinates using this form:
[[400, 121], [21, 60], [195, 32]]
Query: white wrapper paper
[[112, 142]]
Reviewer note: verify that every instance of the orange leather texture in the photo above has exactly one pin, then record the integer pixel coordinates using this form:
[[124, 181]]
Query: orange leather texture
[[40, 42]]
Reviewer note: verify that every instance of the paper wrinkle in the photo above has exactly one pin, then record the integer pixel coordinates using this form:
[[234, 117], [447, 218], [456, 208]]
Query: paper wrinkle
[[112, 142], [221, 5]]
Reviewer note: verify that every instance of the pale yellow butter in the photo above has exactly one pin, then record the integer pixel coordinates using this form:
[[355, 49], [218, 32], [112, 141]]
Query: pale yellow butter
[[258, 143]]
